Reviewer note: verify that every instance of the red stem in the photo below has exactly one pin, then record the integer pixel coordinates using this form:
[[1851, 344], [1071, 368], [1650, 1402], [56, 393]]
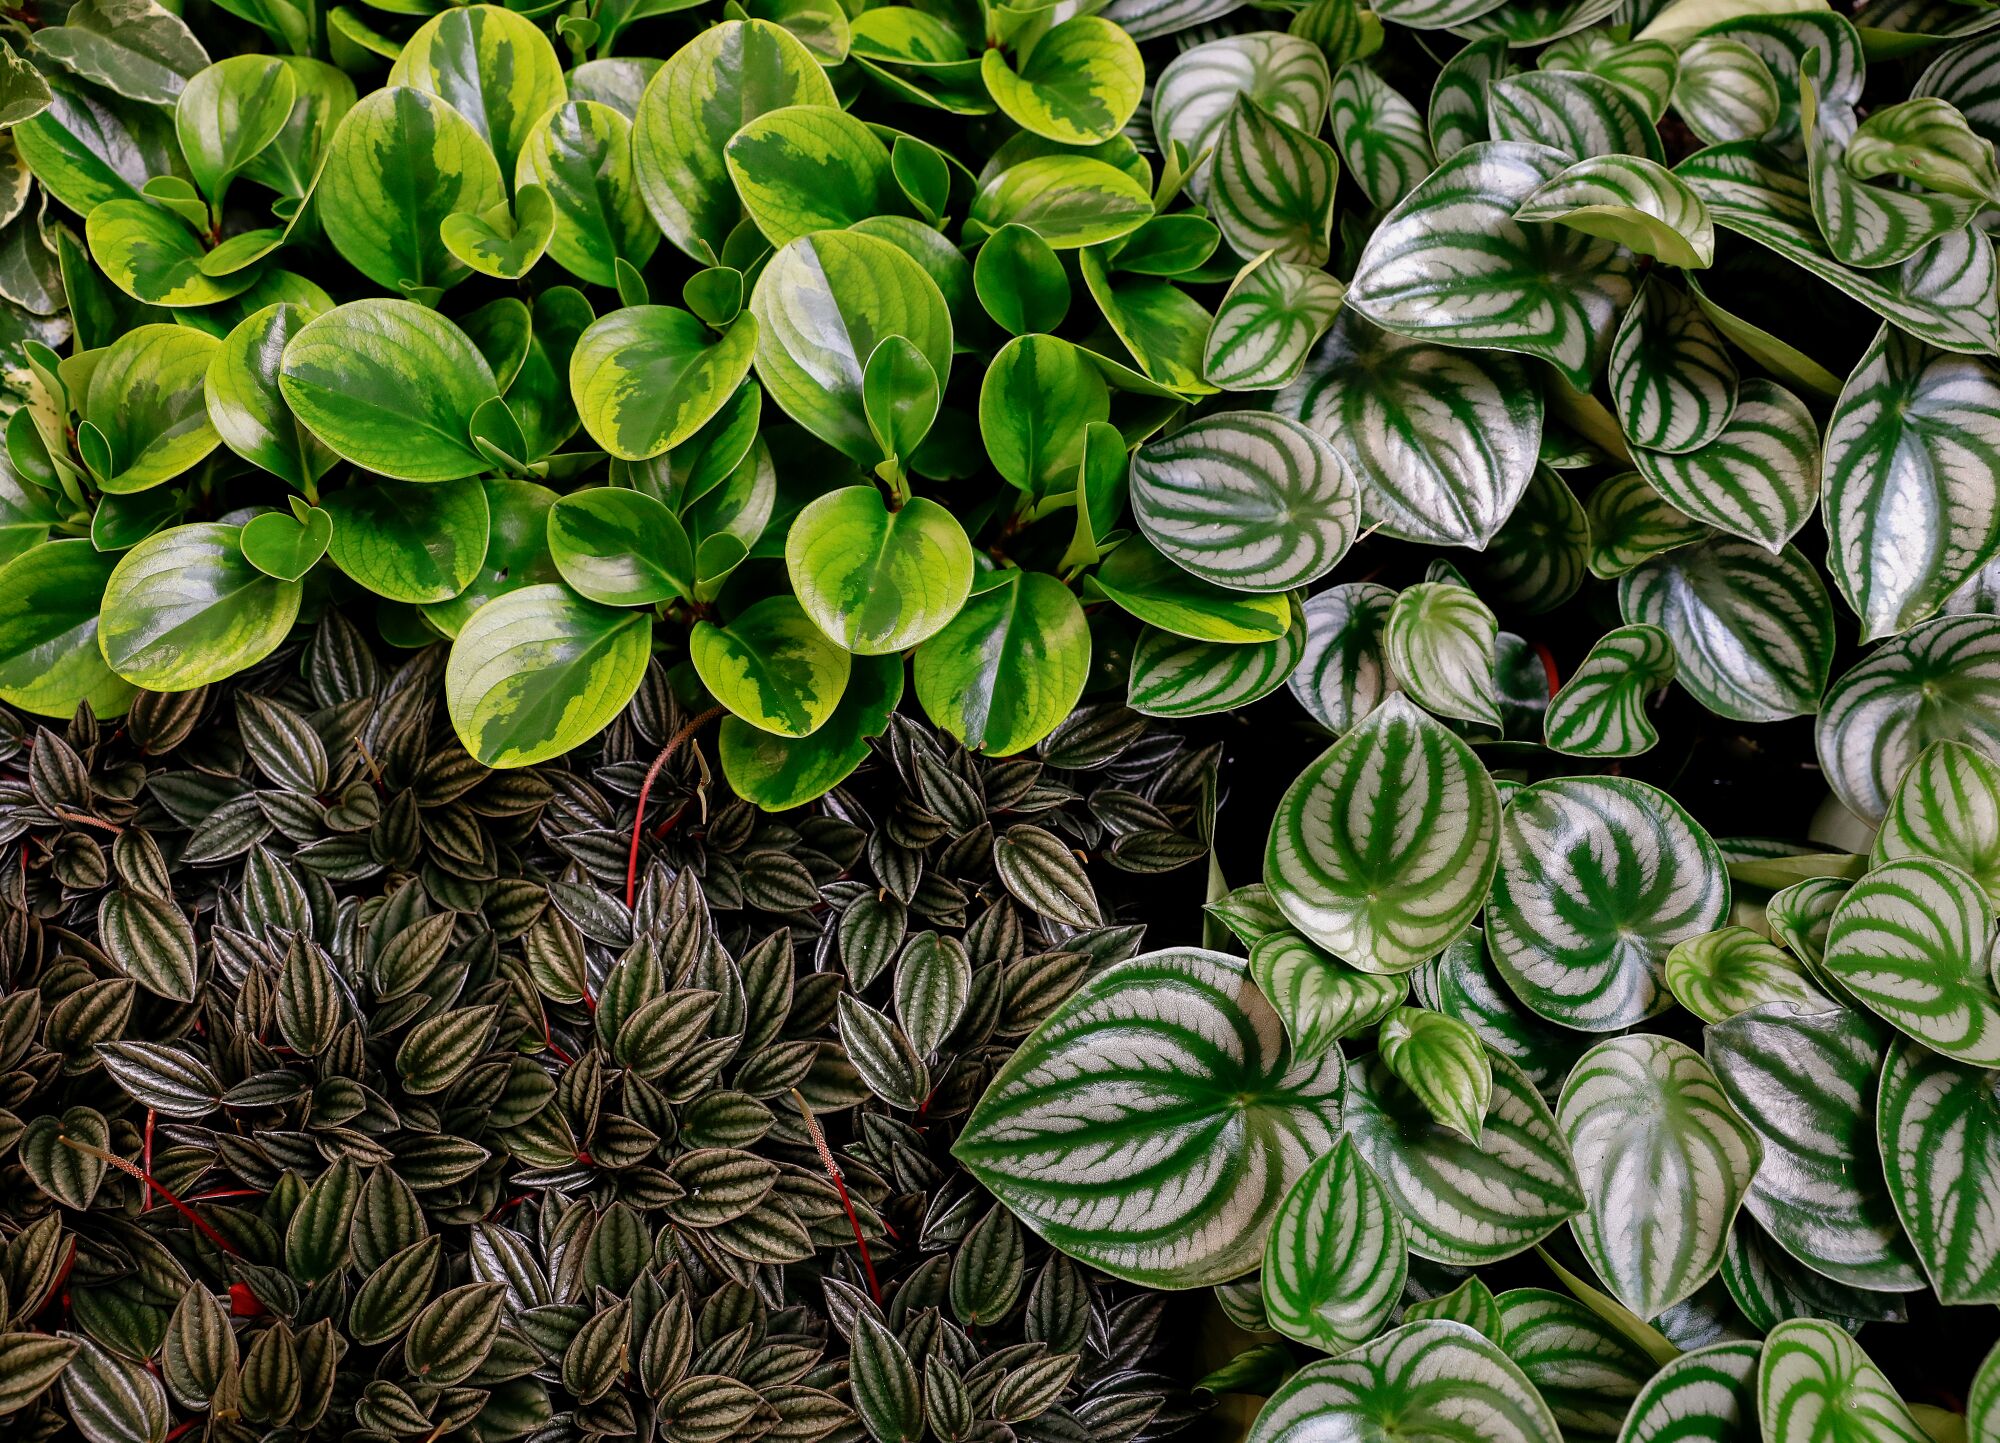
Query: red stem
[[840, 1186], [132, 1169], [646, 790]]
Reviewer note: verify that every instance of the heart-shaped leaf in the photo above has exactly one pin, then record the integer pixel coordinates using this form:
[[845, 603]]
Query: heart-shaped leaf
[[69, 1174], [408, 542], [1193, 96], [287, 544], [1272, 315], [1601, 709], [1672, 380], [1732, 969], [1440, 640], [875, 580], [772, 667], [1344, 673], [246, 403], [1814, 1382], [1319, 999], [184, 608], [1334, 1262], [1443, 1062], [1709, 1394], [1758, 478], [779, 773], [623, 548], [504, 240], [1948, 807], [1009, 666], [647, 378]]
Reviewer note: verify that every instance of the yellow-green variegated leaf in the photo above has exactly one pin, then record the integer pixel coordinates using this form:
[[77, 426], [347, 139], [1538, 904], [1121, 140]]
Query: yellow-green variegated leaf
[[1630, 523], [50, 601], [1442, 441], [1432, 1381], [1246, 499], [1732, 969], [1197, 89], [1009, 666], [1077, 85], [1380, 135], [1816, 1385], [1335, 1259], [875, 580], [1647, 68], [1911, 941], [1173, 676], [1440, 640], [1160, 593], [1069, 200], [1268, 322], [1948, 806], [1443, 1062], [581, 156], [494, 66], [1927, 140], [1599, 878], [1383, 849], [152, 257], [1271, 187], [184, 608], [1463, 1203], [1725, 91], [646, 378], [1757, 478], [1911, 453], [1938, 681], [1151, 1126], [1673, 383], [1320, 999], [1708, 1395], [1805, 1079], [1344, 673], [1664, 1161], [1451, 264], [1601, 709], [772, 667], [810, 167], [1938, 1125], [1752, 632], [1637, 203]]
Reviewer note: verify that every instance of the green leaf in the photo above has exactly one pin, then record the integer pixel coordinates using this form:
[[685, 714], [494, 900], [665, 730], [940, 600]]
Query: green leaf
[[246, 403], [1152, 588], [184, 608], [1665, 1162], [1430, 1381], [1583, 116], [874, 580], [1730, 970], [400, 163], [1443, 1062], [1020, 281], [1634, 202], [1462, 982], [1630, 523], [1708, 1394], [1385, 897], [1909, 941], [1935, 1123], [1463, 1203], [1601, 709], [779, 773], [1008, 667], [1160, 325], [50, 664], [149, 254], [899, 395], [1068, 200], [647, 378], [1319, 999], [1150, 1125], [1443, 441], [1814, 1383], [1247, 500], [1600, 877], [145, 404], [1947, 806], [1910, 452], [1804, 1078], [1172, 676], [411, 543], [1451, 264], [493, 65], [1344, 673], [580, 154], [1752, 633], [823, 303], [1334, 1261], [227, 115], [621, 548], [1926, 140], [1380, 135], [885, 1384], [1459, 113], [1196, 90], [538, 671], [1673, 383], [807, 168], [1757, 478], [1440, 640], [285, 545], [503, 241], [391, 387], [1272, 186], [1725, 91], [1037, 402], [1077, 84], [772, 667], [1270, 319], [89, 147]]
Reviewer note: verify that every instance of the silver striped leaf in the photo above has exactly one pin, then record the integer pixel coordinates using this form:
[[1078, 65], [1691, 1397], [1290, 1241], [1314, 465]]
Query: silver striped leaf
[[1443, 1062], [1929, 141], [1150, 19], [1673, 383], [1910, 506], [1451, 264], [1945, 294], [1664, 1161], [1938, 681], [1805, 1078], [1464, 1204], [1380, 135], [1938, 1125], [1912, 942], [1752, 632], [1442, 441], [1150, 1126], [1382, 850], [1816, 1385], [1344, 674], [1725, 91], [1982, 1400], [1631, 200], [1600, 878], [1273, 315], [1246, 500], [1271, 187], [1521, 683], [1733, 969], [1197, 89], [1948, 806], [1462, 982], [1783, 42], [1535, 22], [1470, 1303], [1173, 676], [1800, 914], [1647, 68], [1578, 114], [1630, 523], [1978, 592], [1434, 14], [1320, 999], [1601, 709], [1584, 1368], [1249, 914], [1440, 641], [1708, 1395], [1458, 114], [1769, 1285], [1538, 560], [1430, 1382], [1758, 478], [1335, 1260]]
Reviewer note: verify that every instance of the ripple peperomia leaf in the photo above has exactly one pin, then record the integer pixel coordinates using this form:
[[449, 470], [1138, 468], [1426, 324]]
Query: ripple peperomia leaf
[[1318, 998], [1758, 477], [1443, 1062], [1935, 1122], [1672, 379], [1708, 1394], [1732, 969], [1815, 1382], [1440, 639]]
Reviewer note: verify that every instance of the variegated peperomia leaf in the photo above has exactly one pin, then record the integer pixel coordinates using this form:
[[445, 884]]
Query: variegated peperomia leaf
[[1727, 971], [1470, 1303], [1440, 640], [1335, 1259], [1911, 942], [1664, 1161], [1380, 135], [1268, 323], [1708, 1395], [1630, 523], [1271, 187], [1601, 709], [1752, 632], [1451, 264], [1443, 1062], [1580, 114], [1462, 982], [1383, 849], [1982, 1399], [1599, 878], [1194, 94], [1672, 380], [1464, 1203], [1909, 503], [1151, 1125], [1539, 559], [1173, 676], [1586, 1370], [1938, 1126], [1725, 91], [1344, 674], [1757, 477], [1948, 807], [1320, 999], [1816, 1385], [1458, 114], [1635, 202], [1647, 68], [1800, 914]]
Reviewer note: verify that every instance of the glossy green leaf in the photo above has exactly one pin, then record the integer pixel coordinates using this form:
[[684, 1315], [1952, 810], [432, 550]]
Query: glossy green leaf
[[184, 608], [492, 65], [1440, 640], [647, 378], [284, 545], [875, 580], [1927, 140], [1009, 666], [779, 773], [807, 168], [772, 667], [1077, 84], [246, 403], [1068, 200], [145, 408], [50, 596], [408, 542], [580, 154], [1334, 1261], [504, 240], [1158, 592], [1037, 402], [621, 548], [149, 254], [227, 114]]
